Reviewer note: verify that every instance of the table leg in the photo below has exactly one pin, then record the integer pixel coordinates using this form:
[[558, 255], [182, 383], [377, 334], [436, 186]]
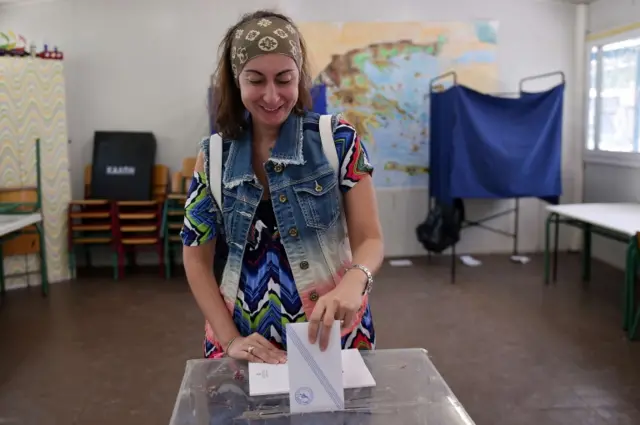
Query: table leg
[[632, 316], [453, 264], [555, 247], [2, 288], [547, 237], [44, 276], [629, 295], [586, 253], [633, 331], [630, 290], [625, 289]]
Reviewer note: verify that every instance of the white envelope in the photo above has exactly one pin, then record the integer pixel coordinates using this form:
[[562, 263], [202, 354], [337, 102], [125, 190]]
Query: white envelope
[[315, 377], [270, 379]]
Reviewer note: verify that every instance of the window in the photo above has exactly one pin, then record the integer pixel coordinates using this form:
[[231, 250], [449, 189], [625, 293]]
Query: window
[[613, 122]]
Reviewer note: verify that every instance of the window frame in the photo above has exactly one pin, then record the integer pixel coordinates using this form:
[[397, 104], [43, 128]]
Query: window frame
[[596, 156]]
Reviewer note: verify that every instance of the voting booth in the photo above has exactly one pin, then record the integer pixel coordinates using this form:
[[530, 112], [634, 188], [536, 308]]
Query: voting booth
[[408, 391], [123, 165]]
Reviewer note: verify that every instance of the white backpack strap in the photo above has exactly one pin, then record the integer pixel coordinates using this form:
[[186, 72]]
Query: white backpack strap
[[329, 148], [328, 144], [215, 168]]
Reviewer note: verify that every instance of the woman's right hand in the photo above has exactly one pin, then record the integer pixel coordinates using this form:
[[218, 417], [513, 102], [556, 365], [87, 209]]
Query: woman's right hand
[[255, 348]]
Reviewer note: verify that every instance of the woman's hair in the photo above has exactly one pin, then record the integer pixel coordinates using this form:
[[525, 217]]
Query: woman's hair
[[230, 117]]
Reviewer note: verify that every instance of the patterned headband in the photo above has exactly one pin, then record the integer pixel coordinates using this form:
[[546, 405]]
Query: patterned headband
[[264, 36]]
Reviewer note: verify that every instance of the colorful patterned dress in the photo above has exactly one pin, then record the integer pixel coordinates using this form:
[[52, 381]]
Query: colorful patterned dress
[[267, 296]]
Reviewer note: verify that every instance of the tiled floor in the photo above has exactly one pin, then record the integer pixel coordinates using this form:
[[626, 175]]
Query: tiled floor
[[514, 351]]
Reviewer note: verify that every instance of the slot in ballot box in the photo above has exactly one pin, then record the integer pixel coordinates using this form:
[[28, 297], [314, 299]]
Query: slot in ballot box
[[409, 391]]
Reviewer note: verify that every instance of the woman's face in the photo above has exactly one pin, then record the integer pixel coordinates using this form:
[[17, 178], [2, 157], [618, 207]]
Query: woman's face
[[269, 88]]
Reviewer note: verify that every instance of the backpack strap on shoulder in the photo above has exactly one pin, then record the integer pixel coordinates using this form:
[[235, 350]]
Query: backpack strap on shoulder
[[328, 144], [329, 148], [215, 168]]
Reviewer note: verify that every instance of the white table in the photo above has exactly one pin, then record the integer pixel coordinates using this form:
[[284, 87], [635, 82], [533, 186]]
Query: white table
[[10, 223], [617, 221], [617, 217]]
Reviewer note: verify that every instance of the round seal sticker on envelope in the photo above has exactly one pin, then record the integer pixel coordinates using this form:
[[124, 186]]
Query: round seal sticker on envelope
[[304, 396]]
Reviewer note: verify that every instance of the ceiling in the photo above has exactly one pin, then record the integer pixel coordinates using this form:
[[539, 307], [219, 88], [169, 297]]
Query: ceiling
[[550, 1]]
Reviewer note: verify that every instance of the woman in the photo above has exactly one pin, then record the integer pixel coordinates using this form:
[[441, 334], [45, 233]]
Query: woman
[[289, 258]]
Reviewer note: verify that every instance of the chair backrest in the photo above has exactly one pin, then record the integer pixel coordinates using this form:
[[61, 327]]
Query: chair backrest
[[188, 165], [160, 182], [177, 182], [87, 181], [12, 198]]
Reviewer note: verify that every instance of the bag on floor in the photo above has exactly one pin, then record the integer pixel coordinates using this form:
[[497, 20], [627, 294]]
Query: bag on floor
[[441, 229]]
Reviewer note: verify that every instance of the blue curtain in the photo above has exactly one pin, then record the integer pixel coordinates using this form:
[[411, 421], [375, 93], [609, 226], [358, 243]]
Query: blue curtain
[[484, 146], [319, 98], [556, 198], [442, 119]]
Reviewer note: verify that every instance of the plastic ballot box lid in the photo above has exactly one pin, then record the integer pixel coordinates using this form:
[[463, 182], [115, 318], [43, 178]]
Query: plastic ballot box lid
[[409, 391]]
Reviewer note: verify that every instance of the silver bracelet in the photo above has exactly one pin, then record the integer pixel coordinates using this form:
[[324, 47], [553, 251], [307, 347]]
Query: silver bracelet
[[231, 341], [367, 272]]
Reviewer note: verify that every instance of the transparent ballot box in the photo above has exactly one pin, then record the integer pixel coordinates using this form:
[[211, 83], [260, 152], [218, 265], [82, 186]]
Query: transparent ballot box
[[409, 391]]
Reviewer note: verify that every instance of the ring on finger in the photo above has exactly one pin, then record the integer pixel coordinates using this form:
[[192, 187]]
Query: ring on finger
[[250, 349]]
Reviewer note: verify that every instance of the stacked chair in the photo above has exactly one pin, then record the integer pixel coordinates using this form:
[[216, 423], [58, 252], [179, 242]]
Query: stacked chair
[[91, 223], [122, 226], [139, 223], [173, 214]]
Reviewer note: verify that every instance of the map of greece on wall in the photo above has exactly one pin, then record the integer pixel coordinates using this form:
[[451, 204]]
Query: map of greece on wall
[[377, 74]]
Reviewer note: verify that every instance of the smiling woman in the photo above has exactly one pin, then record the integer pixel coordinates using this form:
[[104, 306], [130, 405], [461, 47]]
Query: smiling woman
[[270, 102], [271, 45], [289, 259]]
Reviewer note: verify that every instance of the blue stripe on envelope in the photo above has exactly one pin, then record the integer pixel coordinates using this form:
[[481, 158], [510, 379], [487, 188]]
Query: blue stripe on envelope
[[313, 365]]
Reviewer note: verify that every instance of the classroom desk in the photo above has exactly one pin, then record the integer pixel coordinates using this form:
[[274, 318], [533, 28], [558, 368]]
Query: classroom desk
[[616, 221], [11, 223], [409, 391]]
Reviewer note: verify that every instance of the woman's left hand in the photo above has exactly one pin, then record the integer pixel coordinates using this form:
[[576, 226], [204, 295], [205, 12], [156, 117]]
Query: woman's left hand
[[342, 303]]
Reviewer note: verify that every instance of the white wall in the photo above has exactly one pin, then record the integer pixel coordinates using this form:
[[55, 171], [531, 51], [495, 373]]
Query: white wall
[[145, 65], [608, 182]]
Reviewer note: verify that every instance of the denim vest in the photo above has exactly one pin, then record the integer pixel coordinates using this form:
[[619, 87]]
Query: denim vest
[[305, 195]]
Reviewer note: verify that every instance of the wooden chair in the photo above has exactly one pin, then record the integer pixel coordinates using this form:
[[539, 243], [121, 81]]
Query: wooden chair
[[26, 241], [173, 214], [188, 165], [173, 219], [90, 223], [139, 223], [87, 181]]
